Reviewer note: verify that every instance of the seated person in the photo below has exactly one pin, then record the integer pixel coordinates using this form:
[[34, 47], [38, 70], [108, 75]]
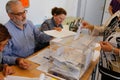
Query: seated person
[[4, 38], [59, 14], [24, 34]]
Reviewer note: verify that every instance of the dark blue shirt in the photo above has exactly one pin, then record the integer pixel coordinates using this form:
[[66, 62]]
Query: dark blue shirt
[[49, 24]]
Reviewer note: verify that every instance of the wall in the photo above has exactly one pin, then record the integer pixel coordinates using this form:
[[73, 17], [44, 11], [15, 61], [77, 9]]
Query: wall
[[106, 12], [3, 15], [81, 8], [41, 9], [94, 11]]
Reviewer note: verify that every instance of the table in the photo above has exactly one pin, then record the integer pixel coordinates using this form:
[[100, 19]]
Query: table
[[33, 72]]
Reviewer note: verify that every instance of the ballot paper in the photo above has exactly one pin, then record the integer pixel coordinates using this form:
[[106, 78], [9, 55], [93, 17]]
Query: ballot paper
[[42, 77], [65, 69], [78, 32], [39, 58], [60, 34], [42, 58], [19, 78], [44, 67]]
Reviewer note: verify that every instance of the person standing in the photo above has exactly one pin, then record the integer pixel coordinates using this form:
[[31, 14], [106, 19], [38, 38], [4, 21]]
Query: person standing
[[109, 64]]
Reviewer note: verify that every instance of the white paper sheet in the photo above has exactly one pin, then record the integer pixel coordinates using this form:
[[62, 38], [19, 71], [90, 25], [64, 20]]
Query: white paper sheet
[[45, 77], [39, 58], [78, 32], [19, 78], [60, 34], [44, 67]]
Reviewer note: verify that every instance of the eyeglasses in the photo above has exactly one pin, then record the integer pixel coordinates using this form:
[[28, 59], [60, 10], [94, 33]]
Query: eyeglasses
[[20, 13]]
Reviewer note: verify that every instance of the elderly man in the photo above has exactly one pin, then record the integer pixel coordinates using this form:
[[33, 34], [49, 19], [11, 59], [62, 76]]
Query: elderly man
[[24, 34]]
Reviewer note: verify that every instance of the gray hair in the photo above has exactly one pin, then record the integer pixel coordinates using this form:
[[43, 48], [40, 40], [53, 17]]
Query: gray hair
[[10, 3]]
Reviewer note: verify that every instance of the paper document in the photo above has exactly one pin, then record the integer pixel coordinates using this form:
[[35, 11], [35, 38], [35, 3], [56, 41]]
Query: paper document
[[44, 67], [42, 77], [59, 34], [65, 70], [78, 32], [39, 58], [19, 78], [42, 59]]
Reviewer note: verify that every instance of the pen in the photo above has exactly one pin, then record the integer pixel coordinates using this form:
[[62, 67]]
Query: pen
[[50, 58], [46, 58]]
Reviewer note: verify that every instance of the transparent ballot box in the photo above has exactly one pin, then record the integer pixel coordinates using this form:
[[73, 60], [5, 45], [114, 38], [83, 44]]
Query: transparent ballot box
[[71, 57]]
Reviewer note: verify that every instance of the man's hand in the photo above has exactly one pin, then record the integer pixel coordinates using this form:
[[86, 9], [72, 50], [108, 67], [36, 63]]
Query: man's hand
[[22, 63]]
